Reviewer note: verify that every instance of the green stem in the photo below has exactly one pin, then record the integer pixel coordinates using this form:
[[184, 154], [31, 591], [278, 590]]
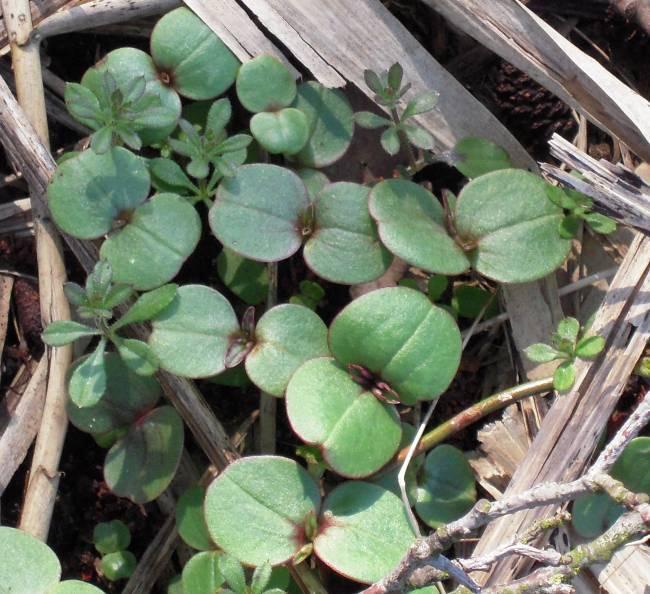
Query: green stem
[[306, 578], [474, 413], [413, 162]]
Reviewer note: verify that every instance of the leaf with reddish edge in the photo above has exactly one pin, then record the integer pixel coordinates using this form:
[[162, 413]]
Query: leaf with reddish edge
[[127, 397], [397, 334], [363, 531], [257, 212], [141, 465], [256, 510], [356, 433], [286, 336]]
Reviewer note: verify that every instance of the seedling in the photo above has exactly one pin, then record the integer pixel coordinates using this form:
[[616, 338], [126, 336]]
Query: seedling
[[111, 537], [567, 344]]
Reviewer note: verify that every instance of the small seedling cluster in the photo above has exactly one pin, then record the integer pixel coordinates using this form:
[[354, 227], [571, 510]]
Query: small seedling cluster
[[166, 149], [112, 539]]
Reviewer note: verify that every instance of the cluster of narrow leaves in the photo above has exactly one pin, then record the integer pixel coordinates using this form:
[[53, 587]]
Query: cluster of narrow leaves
[[112, 539], [567, 344], [594, 513], [29, 566]]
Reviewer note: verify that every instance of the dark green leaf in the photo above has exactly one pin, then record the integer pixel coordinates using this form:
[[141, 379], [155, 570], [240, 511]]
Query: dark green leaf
[[423, 103], [137, 355], [367, 119], [111, 537], [474, 157], [190, 521], [600, 223], [569, 226], [390, 141], [65, 332], [148, 306], [118, 566]]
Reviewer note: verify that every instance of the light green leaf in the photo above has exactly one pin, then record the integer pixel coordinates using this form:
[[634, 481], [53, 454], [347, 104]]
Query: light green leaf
[[191, 336], [285, 131], [423, 103], [196, 62], [542, 353], [390, 140], [418, 136], [118, 566], [265, 84], [564, 376], [285, 337], [66, 331], [276, 495], [568, 329], [110, 537], [600, 223], [137, 355], [190, 520], [590, 347], [87, 382], [369, 120], [261, 578], [477, 156], [74, 587], [247, 279], [345, 246], [233, 573], [147, 306], [201, 574]]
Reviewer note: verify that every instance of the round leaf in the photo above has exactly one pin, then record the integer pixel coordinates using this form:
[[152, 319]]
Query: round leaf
[[141, 465], [398, 334], [196, 62], [285, 337], [512, 226], [265, 84], [151, 249], [411, 225], [356, 433], [594, 513], [110, 537], [190, 520], [344, 246], [633, 465], [364, 531], [446, 489], [477, 156], [118, 566], [27, 565], [285, 131], [127, 397], [564, 376], [275, 495], [331, 124], [191, 336], [87, 193], [257, 212], [201, 573]]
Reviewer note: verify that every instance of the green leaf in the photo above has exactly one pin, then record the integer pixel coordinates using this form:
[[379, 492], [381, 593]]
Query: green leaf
[[633, 466], [477, 156], [190, 521], [373, 81], [118, 566], [564, 376], [423, 103], [568, 329], [110, 537], [395, 74], [201, 574], [410, 222], [265, 84], [198, 64], [27, 566], [88, 192], [590, 347], [82, 104], [542, 353], [261, 578], [247, 279], [233, 573], [87, 382], [469, 301], [257, 212], [65, 332], [364, 531], [191, 336], [141, 465], [507, 208], [345, 247], [98, 282], [275, 495], [285, 337], [218, 116], [102, 140], [137, 355], [314, 181], [356, 433], [127, 397], [446, 489], [594, 513], [168, 176], [147, 306], [398, 334], [75, 294], [600, 223], [418, 136], [331, 124], [285, 131], [369, 120], [643, 367], [151, 249], [390, 140], [436, 286], [569, 226], [117, 295]]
